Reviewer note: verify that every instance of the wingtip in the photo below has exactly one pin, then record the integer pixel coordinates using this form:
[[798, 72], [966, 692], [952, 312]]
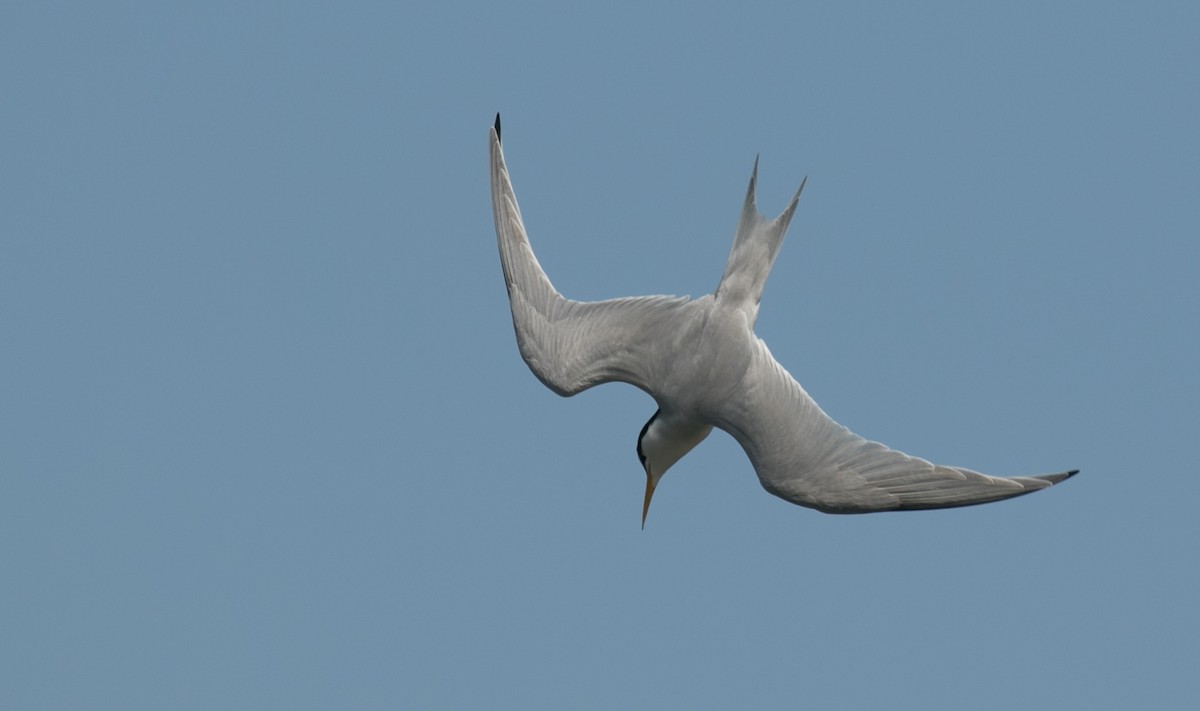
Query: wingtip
[[497, 126], [1059, 478]]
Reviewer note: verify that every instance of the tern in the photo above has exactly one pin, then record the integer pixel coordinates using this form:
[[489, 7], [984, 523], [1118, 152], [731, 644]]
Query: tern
[[704, 366]]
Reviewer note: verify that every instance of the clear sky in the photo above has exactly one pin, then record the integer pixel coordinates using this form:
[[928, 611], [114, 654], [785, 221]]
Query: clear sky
[[266, 440]]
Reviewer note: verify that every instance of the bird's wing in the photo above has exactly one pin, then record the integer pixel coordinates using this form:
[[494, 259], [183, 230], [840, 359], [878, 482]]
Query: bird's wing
[[572, 345], [804, 456]]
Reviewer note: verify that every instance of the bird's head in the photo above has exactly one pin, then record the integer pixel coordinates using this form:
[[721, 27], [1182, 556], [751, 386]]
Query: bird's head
[[662, 442]]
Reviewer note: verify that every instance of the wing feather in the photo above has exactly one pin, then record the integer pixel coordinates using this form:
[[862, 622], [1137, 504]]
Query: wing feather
[[802, 455], [573, 345]]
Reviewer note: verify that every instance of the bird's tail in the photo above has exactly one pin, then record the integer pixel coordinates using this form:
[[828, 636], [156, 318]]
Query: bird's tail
[[755, 246]]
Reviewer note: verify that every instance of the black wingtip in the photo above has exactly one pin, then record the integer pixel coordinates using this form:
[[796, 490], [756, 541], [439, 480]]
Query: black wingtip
[[497, 125], [1072, 473]]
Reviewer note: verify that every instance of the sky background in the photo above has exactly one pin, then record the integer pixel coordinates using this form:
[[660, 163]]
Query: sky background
[[266, 440]]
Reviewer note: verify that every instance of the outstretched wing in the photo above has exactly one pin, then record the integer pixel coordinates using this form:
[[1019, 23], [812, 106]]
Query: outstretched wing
[[572, 345], [803, 456]]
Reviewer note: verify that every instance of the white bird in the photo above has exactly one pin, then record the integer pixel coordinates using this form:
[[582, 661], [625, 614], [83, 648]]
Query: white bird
[[704, 366]]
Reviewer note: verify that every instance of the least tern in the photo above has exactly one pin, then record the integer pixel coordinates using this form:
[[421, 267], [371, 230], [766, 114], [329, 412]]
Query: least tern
[[704, 366]]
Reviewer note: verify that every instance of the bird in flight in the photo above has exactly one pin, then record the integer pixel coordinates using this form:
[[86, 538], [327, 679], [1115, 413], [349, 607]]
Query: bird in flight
[[704, 366]]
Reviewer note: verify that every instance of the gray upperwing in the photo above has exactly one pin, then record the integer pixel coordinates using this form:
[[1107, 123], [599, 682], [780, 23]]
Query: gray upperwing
[[573, 345], [803, 456]]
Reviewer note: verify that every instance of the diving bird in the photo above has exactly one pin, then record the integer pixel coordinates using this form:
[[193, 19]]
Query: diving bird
[[704, 366]]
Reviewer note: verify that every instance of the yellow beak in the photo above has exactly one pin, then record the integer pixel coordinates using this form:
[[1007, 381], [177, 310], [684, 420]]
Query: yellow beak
[[649, 493]]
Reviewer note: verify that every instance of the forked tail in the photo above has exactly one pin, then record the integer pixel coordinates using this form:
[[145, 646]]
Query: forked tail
[[755, 246]]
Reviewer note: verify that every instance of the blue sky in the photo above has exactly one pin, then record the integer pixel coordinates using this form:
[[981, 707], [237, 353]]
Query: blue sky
[[268, 442]]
